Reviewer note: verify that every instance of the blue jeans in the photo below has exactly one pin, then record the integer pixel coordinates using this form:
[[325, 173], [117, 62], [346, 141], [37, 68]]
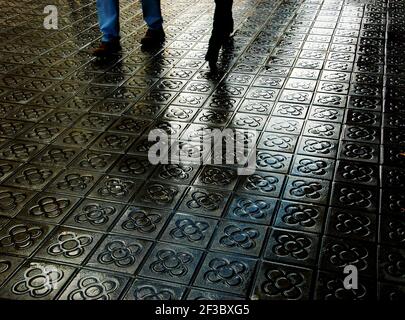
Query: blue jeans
[[108, 16]]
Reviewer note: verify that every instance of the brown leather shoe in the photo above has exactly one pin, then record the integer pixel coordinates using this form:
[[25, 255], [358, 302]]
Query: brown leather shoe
[[153, 37], [108, 48]]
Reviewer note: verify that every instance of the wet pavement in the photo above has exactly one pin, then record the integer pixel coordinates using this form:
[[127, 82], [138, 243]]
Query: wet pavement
[[84, 215]]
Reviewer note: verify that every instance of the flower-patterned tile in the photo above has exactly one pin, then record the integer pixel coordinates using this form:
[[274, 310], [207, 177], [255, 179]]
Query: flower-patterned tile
[[300, 217], [355, 197], [255, 106], [392, 202], [114, 188], [204, 201], [172, 263], [141, 222], [198, 294], [390, 264], [344, 223], [328, 114], [353, 151], [278, 142], [159, 195], [313, 167], [330, 287], [68, 245], [147, 289], [119, 254], [26, 284], [55, 155], [177, 173], [319, 129], [113, 142], [7, 168], [307, 190], [390, 292], [217, 177], [251, 208], [74, 182], [94, 161], [242, 238], [94, 285], [187, 229], [94, 215], [262, 183], [392, 231], [273, 161], [361, 134], [291, 110], [229, 273], [8, 264], [22, 238], [357, 173], [282, 282], [337, 253], [12, 200], [48, 208], [318, 147], [33, 177], [284, 125], [298, 248]]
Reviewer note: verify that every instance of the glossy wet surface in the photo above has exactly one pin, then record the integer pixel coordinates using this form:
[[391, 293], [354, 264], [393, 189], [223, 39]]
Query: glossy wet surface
[[84, 215]]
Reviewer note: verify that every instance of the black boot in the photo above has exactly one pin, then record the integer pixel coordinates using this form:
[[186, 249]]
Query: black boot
[[153, 38], [107, 49]]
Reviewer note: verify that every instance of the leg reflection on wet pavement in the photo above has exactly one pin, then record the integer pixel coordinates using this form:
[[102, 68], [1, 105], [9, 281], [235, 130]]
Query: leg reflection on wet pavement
[[221, 31], [82, 209]]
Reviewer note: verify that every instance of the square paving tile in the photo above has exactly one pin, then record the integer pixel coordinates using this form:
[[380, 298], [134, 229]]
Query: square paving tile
[[141, 222], [147, 289], [94, 214], [187, 229], [114, 188], [236, 237], [171, 263], [250, 208], [8, 264], [300, 217], [313, 167], [21, 285], [74, 182], [262, 183], [344, 223], [94, 285], [204, 201], [298, 248], [69, 245], [120, 254], [273, 161], [22, 238], [13, 200], [48, 207], [229, 273], [329, 287], [270, 276], [336, 254]]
